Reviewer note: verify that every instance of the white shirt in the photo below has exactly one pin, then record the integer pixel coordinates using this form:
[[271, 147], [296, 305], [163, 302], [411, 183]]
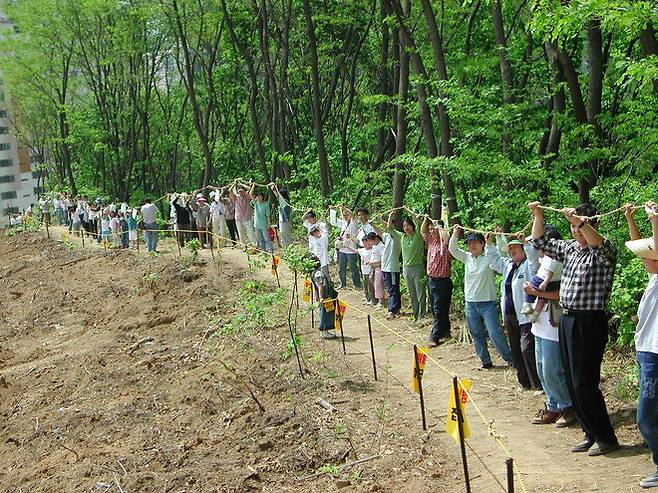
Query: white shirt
[[646, 333], [348, 232], [548, 265], [478, 276], [148, 213], [319, 248], [542, 327], [376, 253], [217, 211], [365, 255], [309, 226], [364, 229]]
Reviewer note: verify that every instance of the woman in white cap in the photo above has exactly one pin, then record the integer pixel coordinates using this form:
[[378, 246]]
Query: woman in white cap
[[646, 336]]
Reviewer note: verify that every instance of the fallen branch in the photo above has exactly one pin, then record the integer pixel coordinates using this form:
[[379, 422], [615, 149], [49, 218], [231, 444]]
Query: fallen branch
[[139, 343], [325, 405]]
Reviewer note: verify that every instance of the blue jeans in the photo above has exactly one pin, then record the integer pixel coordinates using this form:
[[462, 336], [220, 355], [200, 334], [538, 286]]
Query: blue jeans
[[482, 318], [343, 260], [151, 236], [551, 374], [647, 407], [263, 239], [392, 285]]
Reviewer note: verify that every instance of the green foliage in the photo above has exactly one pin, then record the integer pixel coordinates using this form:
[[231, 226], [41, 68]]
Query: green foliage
[[298, 258], [151, 279], [193, 245], [629, 283], [260, 307]]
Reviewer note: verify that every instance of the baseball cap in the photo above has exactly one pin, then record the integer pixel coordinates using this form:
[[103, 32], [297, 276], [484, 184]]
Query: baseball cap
[[474, 237]]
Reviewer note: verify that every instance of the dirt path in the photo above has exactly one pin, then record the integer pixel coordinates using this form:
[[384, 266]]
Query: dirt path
[[541, 453]]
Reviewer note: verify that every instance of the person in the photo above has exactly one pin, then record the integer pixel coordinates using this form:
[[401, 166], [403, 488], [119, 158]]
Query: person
[[217, 217], [346, 246], [589, 264], [202, 215], [364, 253], [229, 208], [646, 336], [285, 214], [547, 279], [520, 265], [326, 296], [391, 267], [311, 221], [132, 228], [183, 217], [320, 247], [557, 408], [480, 297], [123, 221], [148, 212], [261, 220], [45, 203], [363, 216], [413, 264], [74, 221], [243, 215], [115, 228], [376, 277], [439, 263]]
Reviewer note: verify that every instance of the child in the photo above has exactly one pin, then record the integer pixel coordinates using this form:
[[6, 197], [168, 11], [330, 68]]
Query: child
[[646, 336], [546, 279], [115, 226], [319, 248], [132, 228], [376, 277]]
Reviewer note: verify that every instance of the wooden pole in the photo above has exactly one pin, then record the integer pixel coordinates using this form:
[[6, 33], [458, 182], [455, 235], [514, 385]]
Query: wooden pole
[[372, 349], [510, 474], [419, 381], [340, 319], [460, 427]]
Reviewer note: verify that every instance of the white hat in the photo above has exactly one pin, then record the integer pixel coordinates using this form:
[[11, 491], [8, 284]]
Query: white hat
[[644, 248]]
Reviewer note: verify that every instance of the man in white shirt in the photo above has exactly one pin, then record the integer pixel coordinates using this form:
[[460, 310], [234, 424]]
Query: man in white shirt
[[148, 212], [363, 215], [347, 245], [320, 248]]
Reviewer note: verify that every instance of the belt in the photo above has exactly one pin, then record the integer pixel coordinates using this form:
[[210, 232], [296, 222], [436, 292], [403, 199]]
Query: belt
[[573, 313]]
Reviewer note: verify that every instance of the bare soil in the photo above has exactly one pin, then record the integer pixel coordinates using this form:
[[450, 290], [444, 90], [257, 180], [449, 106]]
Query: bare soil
[[116, 375]]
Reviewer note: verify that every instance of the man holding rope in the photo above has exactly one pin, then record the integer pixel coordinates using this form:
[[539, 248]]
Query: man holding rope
[[589, 265]]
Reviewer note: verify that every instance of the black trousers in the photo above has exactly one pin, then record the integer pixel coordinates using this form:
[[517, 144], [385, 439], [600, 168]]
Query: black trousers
[[440, 296], [522, 344], [232, 229], [583, 337]]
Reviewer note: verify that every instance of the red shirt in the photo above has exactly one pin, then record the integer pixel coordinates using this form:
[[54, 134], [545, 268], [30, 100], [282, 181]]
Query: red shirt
[[438, 256]]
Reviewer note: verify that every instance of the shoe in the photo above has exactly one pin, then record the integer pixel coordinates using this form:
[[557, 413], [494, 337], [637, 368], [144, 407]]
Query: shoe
[[328, 334], [601, 448], [390, 316], [545, 417], [567, 418], [583, 446], [430, 343], [537, 393], [532, 317], [366, 302], [486, 366], [650, 481], [340, 286], [527, 309]]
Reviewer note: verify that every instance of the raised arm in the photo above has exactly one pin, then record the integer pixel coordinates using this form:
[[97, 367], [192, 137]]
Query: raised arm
[[591, 235], [538, 220], [425, 227], [633, 230], [494, 258], [454, 250]]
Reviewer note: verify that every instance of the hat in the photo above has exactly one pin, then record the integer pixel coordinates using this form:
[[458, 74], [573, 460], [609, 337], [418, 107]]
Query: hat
[[200, 199], [514, 242], [644, 248], [474, 237]]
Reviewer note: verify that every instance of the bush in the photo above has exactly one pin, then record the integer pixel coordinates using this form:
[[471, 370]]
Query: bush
[[629, 284]]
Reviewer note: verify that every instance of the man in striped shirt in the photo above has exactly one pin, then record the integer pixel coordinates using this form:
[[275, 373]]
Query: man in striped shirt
[[589, 265]]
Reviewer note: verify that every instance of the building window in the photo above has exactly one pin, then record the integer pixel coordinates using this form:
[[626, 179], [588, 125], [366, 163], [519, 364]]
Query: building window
[[4, 130], [4, 163], [38, 190], [7, 179], [5, 146], [10, 210], [8, 195], [3, 113]]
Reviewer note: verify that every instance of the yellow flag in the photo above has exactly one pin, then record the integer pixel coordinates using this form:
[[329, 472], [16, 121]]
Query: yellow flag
[[463, 385], [421, 356], [306, 293], [340, 313], [275, 266]]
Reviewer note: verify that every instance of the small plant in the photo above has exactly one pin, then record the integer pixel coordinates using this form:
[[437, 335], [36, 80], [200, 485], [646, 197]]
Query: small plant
[[290, 347], [194, 246], [299, 259], [382, 414], [329, 469], [318, 357], [66, 239], [151, 279], [339, 429]]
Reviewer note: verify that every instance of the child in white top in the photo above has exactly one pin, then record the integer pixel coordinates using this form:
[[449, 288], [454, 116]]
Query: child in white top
[[546, 279], [365, 253], [377, 278], [319, 247]]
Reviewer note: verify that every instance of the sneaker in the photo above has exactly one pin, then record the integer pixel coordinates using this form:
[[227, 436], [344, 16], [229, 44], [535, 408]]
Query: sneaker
[[327, 334], [545, 417], [567, 418], [486, 366], [650, 481], [430, 343], [601, 448], [366, 302], [527, 309], [537, 393], [390, 316], [340, 286]]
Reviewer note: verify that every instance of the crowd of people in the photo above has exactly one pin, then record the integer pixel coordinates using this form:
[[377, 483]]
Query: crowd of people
[[552, 299]]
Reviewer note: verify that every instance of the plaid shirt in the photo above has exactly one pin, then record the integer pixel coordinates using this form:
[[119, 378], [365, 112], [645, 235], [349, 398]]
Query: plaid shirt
[[438, 256], [587, 275]]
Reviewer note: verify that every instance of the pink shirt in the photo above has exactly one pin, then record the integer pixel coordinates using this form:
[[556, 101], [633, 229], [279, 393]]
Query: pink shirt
[[243, 207]]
